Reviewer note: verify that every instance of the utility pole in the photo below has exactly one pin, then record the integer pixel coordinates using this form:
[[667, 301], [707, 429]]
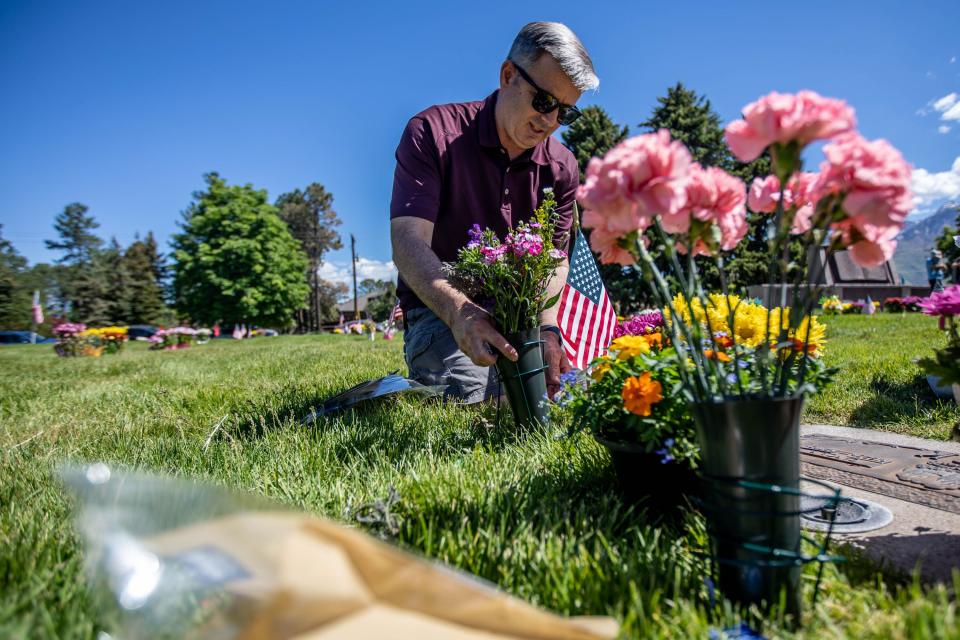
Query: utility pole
[[353, 253]]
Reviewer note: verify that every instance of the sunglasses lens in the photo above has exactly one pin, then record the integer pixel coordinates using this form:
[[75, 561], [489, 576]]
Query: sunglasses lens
[[543, 102], [567, 116]]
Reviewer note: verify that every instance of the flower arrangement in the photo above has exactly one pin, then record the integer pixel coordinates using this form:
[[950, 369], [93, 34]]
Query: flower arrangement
[[69, 342], [203, 335], [945, 363], [744, 367], [647, 196], [910, 304], [632, 393], [509, 276], [108, 339], [173, 338]]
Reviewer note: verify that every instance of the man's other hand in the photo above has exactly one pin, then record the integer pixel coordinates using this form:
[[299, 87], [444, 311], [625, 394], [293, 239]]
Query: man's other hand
[[475, 334], [556, 361]]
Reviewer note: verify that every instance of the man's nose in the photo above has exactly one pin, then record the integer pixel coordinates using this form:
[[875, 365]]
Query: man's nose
[[550, 120]]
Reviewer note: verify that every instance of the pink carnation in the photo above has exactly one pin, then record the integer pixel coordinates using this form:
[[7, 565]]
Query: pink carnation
[[605, 242], [764, 194], [873, 180], [716, 197], [783, 118], [799, 195], [638, 179]]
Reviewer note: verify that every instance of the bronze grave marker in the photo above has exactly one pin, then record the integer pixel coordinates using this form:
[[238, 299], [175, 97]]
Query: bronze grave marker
[[921, 476]]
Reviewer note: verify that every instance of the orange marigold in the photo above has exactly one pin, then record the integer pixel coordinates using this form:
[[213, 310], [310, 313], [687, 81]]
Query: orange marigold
[[640, 393], [716, 355]]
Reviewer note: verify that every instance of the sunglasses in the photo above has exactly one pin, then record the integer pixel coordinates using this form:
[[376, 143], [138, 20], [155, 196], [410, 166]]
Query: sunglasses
[[544, 102]]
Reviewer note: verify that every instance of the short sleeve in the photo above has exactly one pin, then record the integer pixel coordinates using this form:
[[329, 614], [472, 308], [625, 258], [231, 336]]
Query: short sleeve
[[565, 193], [416, 179]]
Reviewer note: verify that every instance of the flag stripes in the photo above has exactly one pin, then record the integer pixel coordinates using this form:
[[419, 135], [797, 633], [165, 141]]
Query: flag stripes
[[586, 317]]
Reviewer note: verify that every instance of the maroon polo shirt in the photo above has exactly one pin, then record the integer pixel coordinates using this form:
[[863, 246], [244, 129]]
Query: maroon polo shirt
[[453, 171]]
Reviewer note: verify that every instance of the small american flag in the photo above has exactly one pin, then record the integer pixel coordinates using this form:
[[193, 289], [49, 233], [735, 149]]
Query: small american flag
[[586, 316]]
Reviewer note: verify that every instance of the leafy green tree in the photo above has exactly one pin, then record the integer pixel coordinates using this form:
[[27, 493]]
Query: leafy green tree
[[235, 260], [144, 291], [328, 294], [311, 219], [379, 307]]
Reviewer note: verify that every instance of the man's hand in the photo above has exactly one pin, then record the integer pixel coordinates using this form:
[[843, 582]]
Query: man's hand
[[475, 334], [556, 361]]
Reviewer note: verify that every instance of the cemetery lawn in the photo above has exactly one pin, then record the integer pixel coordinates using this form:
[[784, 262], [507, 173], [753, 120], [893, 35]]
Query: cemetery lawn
[[536, 514]]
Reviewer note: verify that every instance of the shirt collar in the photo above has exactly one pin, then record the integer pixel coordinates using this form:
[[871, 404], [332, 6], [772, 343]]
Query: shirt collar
[[490, 138]]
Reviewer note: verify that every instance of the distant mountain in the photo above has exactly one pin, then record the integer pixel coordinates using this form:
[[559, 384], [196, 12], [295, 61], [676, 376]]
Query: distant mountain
[[916, 240]]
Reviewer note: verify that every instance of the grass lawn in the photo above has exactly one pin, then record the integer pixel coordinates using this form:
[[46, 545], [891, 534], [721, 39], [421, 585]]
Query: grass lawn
[[536, 514]]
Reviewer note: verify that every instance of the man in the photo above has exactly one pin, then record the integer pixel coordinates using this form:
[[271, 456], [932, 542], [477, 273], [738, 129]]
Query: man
[[486, 163], [936, 270]]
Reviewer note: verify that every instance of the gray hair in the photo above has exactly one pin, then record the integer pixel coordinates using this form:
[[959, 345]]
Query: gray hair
[[562, 44]]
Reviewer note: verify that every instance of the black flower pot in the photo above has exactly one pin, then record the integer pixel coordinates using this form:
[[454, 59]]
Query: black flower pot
[[750, 465], [642, 475], [525, 381]]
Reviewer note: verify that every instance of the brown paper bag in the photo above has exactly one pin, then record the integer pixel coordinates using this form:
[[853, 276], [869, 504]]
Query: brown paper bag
[[294, 576]]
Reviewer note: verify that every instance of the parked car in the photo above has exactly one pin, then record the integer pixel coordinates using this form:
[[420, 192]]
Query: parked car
[[22, 337], [140, 331]]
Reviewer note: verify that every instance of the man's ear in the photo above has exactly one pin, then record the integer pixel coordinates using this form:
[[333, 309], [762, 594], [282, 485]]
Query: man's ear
[[507, 73]]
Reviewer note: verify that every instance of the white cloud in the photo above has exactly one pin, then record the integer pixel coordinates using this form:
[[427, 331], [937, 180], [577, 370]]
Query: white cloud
[[366, 268], [944, 103], [943, 129], [932, 189], [953, 59], [953, 113]]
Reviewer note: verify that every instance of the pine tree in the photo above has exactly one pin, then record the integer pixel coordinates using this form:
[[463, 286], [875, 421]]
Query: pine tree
[[13, 306], [82, 283], [77, 240], [145, 302], [593, 134]]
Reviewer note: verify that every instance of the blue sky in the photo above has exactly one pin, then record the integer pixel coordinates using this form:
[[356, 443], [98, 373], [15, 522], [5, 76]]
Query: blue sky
[[123, 106]]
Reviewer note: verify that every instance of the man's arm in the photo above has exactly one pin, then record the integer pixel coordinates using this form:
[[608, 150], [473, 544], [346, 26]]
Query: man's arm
[[422, 271]]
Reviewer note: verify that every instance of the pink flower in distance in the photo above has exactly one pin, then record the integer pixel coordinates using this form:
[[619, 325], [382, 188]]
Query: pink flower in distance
[[638, 179], [783, 117]]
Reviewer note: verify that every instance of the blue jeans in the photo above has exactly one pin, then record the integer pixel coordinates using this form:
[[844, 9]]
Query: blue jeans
[[433, 358]]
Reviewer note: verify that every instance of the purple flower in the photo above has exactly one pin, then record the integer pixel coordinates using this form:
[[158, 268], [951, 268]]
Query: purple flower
[[557, 254], [644, 323], [476, 237], [943, 303]]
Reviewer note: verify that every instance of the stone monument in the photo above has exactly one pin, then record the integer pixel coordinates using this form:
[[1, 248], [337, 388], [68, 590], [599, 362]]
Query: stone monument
[[837, 274]]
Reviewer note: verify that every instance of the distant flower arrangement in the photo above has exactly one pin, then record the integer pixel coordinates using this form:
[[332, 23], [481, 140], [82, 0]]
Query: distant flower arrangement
[[75, 339], [173, 338]]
